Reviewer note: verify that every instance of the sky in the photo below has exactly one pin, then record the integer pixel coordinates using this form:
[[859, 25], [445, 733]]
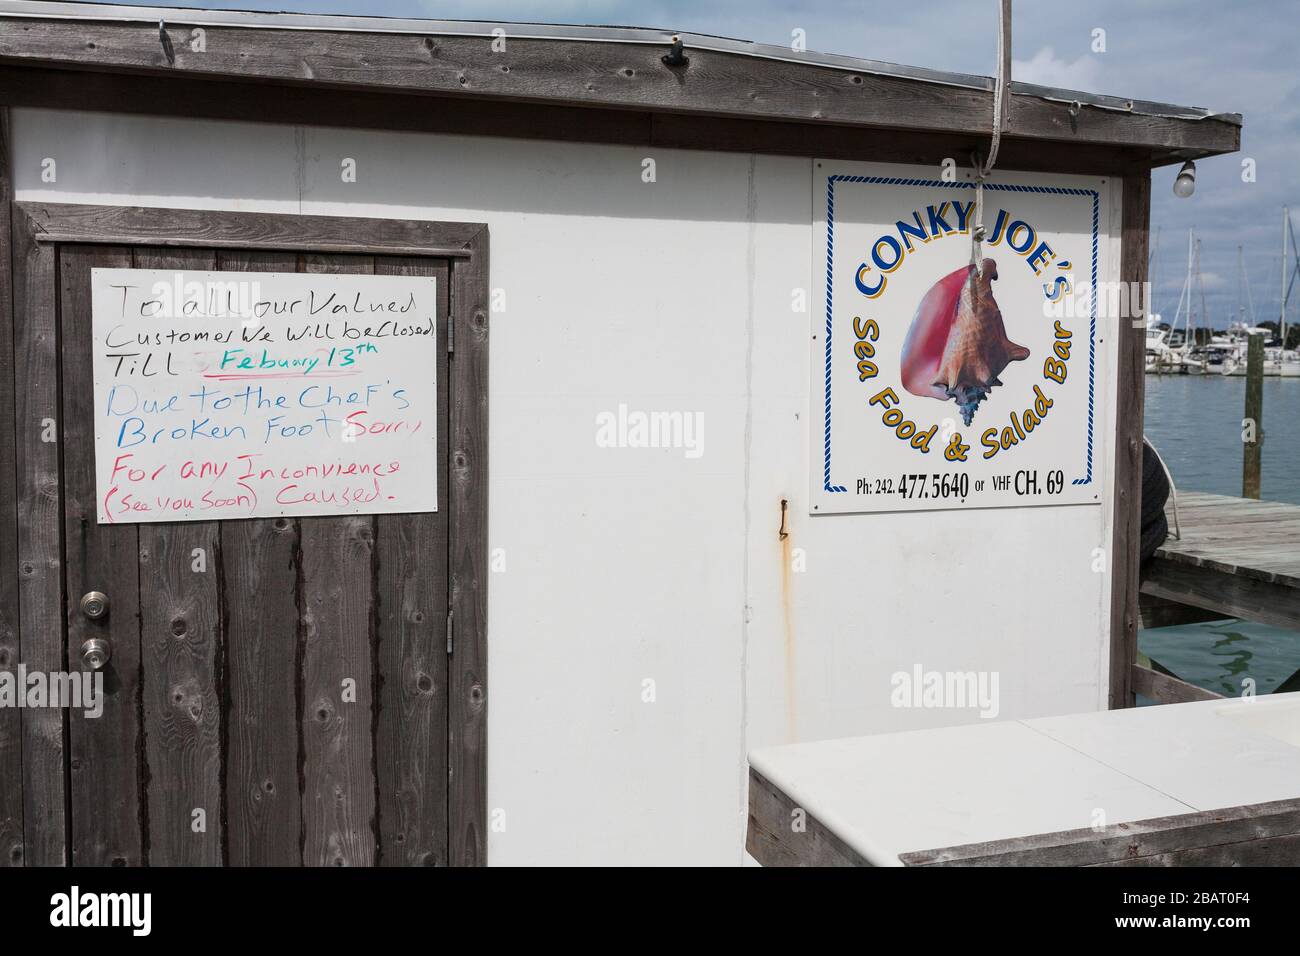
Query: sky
[[1241, 56]]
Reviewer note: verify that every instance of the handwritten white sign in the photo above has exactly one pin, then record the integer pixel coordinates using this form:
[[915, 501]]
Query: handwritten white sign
[[224, 395]]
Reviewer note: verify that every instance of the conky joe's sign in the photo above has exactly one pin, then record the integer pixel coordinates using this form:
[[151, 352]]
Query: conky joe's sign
[[945, 383]]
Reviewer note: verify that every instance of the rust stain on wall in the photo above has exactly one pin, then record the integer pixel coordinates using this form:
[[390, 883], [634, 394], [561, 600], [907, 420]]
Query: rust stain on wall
[[787, 616]]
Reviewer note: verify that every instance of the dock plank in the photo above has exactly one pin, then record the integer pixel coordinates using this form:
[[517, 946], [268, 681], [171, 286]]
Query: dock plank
[[1237, 556]]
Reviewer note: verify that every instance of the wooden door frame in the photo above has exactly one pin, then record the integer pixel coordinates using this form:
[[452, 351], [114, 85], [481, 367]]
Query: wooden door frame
[[1130, 384], [37, 228]]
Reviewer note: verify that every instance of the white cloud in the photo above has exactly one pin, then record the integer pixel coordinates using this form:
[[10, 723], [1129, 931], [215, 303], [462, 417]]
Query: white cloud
[[1047, 69]]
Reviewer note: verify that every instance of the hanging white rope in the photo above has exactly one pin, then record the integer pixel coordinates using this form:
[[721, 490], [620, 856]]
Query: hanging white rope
[[1001, 102], [977, 230]]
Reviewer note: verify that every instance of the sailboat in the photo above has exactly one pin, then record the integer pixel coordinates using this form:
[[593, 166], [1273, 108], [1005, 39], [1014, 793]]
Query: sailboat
[[1160, 357], [1287, 360], [1279, 361], [1231, 348], [1174, 351]]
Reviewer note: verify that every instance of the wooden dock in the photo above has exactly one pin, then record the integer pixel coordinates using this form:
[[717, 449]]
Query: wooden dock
[[1236, 557]]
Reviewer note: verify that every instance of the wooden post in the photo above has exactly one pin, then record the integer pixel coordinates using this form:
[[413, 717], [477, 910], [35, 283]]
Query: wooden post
[[1126, 523], [1254, 423]]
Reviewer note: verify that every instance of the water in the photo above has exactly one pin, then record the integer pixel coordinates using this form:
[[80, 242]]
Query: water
[[1195, 422]]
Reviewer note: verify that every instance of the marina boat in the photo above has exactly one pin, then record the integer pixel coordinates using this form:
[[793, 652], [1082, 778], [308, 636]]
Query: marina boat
[[1171, 347], [1166, 350], [1278, 362], [1217, 356], [1158, 351], [1164, 358]]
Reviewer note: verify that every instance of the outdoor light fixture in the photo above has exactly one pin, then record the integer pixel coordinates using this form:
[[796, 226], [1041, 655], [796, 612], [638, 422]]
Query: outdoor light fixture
[[1185, 183]]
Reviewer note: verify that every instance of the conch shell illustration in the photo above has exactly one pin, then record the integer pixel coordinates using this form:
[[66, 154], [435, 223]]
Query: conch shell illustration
[[957, 345]]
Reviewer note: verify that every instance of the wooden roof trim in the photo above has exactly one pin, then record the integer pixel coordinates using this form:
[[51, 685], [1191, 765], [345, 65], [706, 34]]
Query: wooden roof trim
[[592, 75], [222, 229]]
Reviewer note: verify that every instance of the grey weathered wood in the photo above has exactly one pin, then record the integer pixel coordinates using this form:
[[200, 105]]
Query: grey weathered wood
[[1265, 851], [1164, 689], [592, 74], [337, 615], [259, 568], [468, 556], [1257, 834], [1158, 612], [1225, 593], [1252, 451], [180, 647], [217, 229], [1004, 102], [411, 595], [387, 109], [1126, 514], [11, 748], [40, 532], [188, 677], [781, 833], [106, 751], [1237, 557]]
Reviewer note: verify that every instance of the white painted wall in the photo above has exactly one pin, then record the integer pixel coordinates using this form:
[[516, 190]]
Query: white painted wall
[[623, 564]]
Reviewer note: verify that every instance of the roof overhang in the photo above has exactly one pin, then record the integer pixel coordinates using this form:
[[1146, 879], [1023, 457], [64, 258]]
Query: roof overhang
[[618, 70]]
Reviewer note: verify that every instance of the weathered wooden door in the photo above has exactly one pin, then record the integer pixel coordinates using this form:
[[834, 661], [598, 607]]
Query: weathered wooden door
[[278, 690]]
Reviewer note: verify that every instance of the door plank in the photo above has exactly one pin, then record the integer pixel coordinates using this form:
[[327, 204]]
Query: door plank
[[338, 623], [40, 524], [11, 748], [467, 719], [411, 594], [259, 564], [180, 619], [105, 760]]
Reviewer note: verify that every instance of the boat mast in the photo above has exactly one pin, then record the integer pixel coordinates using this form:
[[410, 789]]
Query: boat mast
[[1286, 221], [1250, 296], [1200, 285], [1186, 293], [1152, 262], [1241, 278]]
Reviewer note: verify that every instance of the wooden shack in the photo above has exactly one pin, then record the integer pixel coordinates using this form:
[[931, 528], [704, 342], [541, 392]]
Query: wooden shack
[[624, 521]]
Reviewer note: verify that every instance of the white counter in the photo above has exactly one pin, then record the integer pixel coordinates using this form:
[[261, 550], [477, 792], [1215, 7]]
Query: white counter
[[894, 793]]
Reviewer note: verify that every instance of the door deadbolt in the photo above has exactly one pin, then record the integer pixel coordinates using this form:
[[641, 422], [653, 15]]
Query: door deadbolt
[[94, 604], [95, 653]]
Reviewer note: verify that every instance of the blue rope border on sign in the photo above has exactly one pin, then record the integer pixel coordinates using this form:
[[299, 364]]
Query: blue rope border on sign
[[941, 184]]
